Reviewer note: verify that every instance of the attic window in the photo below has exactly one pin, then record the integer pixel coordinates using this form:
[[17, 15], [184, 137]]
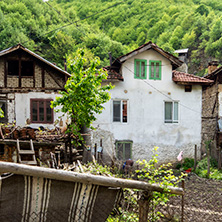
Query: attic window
[[155, 69], [13, 67], [140, 66], [26, 68], [188, 88]]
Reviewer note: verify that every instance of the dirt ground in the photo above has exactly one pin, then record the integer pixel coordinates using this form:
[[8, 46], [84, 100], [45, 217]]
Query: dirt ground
[[202, 201]]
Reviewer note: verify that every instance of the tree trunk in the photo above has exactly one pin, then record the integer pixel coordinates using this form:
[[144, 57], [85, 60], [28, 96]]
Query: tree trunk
[[144, 203]]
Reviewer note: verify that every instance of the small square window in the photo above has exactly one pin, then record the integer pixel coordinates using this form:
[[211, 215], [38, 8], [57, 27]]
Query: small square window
[[140, 68], [155, 70], [171, 112], [124, 150], [188, 88], [120, 109]]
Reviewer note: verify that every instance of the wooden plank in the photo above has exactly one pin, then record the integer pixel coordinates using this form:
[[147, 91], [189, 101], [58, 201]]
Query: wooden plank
[[6, 73], [43, 78], [20, 69], [36, 143], [83, 178], [31, 162], [33, 74], [26, 152], [195, 157]]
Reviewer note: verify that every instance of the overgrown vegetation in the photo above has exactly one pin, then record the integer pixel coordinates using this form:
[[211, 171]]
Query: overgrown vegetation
[[58, 28], [152, 173], [83, 96], [201, 169]]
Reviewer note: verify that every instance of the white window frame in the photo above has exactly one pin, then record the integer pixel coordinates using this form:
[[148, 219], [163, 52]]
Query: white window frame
[[121, 111], [173, 120]]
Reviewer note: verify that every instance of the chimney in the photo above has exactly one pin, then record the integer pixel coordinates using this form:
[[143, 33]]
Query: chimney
[[212, 66]]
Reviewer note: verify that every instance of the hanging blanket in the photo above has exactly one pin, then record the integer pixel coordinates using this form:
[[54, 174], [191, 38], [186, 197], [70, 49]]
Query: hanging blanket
[[27, 198]]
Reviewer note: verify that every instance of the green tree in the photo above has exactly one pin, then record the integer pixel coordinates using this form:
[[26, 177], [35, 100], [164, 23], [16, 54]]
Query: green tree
[[83, 95]]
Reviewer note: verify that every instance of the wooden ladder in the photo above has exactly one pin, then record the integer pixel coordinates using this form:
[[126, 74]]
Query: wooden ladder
[[26, 152]]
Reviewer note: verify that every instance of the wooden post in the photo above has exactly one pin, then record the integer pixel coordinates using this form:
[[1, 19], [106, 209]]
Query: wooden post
[[70, 150], [65, 154], [95, 150], [182, 202], [208, 160], [144, 203], [219, 158], [59, 159], [100, 153], [195, 157]]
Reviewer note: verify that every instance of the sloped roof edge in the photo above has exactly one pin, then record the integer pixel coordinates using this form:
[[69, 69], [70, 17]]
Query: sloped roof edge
[[147, 46], [186, 78], [214, 73], [19, 46]]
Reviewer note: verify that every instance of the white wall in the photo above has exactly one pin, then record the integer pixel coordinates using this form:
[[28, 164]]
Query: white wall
[[146, 127], [22, 108]]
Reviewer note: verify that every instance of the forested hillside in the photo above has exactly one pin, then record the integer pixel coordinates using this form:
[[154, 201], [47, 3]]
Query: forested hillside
[[55, 29]]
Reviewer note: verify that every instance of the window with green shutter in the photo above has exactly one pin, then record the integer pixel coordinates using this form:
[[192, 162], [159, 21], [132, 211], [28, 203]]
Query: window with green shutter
[[155, 69], [124, 150], [140, 68]]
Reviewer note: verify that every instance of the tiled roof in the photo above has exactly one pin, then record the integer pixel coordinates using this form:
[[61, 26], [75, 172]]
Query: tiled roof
[[149, 45], [186, 78], [113, 75]]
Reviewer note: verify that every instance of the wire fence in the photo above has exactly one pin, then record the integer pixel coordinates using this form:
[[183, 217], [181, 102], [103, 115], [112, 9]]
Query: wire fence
[[202, 202], [78, 215]]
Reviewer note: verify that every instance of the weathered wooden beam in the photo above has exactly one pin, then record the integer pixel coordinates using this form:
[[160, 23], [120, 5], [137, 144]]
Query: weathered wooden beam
[[83, 178], [13, 142]]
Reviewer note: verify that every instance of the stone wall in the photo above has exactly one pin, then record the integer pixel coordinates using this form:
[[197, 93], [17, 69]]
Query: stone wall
[[210, 108], [38, 76]]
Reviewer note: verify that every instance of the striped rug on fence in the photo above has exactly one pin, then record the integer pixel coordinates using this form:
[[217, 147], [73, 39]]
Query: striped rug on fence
[[27, 199]]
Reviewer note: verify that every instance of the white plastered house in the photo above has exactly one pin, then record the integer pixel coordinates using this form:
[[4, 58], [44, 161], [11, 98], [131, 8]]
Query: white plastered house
[[151, 105]]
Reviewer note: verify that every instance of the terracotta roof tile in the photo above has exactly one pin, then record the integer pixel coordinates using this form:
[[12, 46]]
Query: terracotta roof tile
[[185, 78], [113, 75]]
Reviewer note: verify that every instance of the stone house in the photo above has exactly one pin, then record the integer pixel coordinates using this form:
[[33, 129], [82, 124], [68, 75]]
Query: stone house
[[152, 104], [212, 112], [28, 83]]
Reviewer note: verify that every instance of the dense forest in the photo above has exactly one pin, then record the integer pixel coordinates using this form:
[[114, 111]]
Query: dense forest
[[55, 29]]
